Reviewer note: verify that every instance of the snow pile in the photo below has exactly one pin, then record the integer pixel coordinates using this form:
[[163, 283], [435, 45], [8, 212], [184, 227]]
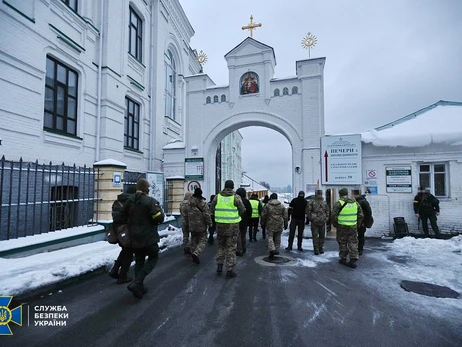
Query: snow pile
[[442, 124]]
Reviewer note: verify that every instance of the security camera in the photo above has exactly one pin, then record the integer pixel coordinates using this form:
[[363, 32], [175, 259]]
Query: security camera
[[298, 169]]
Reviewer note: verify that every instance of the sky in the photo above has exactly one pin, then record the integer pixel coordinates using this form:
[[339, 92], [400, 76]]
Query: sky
[[384, 60]]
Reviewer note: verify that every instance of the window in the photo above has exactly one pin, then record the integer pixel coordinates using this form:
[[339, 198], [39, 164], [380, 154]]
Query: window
[[60, 113], [132, 124], [285, 91], [215, 98], [72, 4], [208, 100], [170, 85], [294, 90], [277, 92], [433, 176], [223, 98], [135, 38]]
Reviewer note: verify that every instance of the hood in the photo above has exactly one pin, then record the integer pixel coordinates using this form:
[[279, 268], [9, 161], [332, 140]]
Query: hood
[[274, 202], [347, 199], [123, 197], [227, 192], [195, 201]]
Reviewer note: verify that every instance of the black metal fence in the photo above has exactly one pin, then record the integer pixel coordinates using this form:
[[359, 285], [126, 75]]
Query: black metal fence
[[38, 198]]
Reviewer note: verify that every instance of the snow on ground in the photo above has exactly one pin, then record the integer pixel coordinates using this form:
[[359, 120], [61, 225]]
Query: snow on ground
[[20, 275]]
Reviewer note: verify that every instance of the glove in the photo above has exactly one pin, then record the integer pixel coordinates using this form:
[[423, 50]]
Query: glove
[[307, 221]]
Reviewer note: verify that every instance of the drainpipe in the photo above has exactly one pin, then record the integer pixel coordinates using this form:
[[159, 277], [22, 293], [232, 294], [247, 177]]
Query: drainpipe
[[99, 87], [152, 87]]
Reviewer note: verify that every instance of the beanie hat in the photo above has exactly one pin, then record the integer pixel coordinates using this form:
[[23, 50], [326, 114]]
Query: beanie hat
[[241, 192], [229, 184], [318, 192], [301, 193], [273, 196], [343, 192], [198, 192], [143, 185]]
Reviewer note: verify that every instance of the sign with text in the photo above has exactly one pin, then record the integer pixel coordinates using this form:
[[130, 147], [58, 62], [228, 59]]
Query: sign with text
[[341, 160], [194, 169], [399, 179]]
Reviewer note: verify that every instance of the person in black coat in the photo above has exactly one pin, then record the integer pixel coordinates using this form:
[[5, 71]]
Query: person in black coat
[[297, 219], [426, 207], [366, 207], [244, 223]]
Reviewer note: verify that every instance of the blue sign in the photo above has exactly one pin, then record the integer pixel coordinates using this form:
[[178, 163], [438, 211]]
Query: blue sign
[[373, 190], [117, 179]]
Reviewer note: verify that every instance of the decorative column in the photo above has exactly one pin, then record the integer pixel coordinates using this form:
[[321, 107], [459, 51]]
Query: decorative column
[[108, 185]]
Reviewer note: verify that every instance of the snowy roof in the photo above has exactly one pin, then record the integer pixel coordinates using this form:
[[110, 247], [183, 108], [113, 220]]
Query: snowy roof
[[175, 144], [437, 123], [109, 162], [284, 78], [215, 87]]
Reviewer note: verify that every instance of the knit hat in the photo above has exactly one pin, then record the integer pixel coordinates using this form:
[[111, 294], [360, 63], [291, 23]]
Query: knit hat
[[241, 192], [343, 192], [318, 192], [229, 184], [273, 196], [143, 185], [301, 193], [198, 192]]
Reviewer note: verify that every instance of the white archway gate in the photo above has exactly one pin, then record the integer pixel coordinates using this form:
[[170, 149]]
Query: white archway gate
[[292, 106]]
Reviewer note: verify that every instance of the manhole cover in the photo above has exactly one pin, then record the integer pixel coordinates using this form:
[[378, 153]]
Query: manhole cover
[[277, 260], [398, 259], [429, 289]]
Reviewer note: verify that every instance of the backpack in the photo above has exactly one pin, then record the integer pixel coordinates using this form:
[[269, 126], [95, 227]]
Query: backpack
[[111, 234], [369, 222]]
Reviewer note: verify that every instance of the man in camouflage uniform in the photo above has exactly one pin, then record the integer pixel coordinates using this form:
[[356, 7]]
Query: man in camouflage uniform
[[273, 218], [318, 211], [227, 208], [346, 216], [183, 206], [197, 218]]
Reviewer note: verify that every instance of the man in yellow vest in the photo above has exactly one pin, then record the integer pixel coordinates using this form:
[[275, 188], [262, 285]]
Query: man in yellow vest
[[227, 208], [256, 213], [346, 216]]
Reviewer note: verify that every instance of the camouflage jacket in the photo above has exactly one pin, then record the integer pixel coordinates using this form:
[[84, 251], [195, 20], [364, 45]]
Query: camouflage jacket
[[317, 211], [196, 215], [338, 205], [232, 228], [183, 206], [274, 216]]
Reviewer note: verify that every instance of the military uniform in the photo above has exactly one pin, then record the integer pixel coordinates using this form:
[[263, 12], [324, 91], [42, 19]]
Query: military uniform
[[274, 218], [346, 222], [227, 231], [367, 211], [318, 212], [426, 206], [256, 213], [197, 218], [183, 207], [297, 208]]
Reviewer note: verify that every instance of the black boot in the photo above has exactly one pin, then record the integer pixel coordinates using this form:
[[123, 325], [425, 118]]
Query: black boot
[[219, 268], [123, 278], [114, 273], [137, 288], [230, 274]]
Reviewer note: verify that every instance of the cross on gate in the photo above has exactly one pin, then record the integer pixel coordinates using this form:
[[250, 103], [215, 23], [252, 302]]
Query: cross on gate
[[251, 26]]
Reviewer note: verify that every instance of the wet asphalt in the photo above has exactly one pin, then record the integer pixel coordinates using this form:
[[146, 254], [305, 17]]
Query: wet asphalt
[[286, 305]]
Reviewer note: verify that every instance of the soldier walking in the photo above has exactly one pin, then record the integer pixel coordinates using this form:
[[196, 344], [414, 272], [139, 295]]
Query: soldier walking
[[346, 216], [274, 218], [297, 209], [227, 208], [367, 211], [318, 212], [183, 206], [256, 213], [244, 223], [197, 219]]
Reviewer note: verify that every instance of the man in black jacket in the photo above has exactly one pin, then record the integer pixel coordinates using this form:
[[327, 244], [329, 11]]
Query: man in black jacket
[[366, 207], [297, 213], [244, 223], [426, 206]]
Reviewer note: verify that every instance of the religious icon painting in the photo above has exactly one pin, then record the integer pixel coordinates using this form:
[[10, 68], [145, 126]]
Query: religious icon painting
[[249, 83]]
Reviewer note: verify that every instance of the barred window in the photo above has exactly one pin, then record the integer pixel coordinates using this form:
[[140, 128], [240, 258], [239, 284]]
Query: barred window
[[132, 124], [61, 85]]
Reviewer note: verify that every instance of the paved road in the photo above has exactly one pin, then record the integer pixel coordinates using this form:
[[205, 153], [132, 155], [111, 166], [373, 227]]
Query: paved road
[[190, 305]]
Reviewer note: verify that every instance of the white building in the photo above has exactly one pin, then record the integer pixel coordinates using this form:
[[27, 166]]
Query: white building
[[87, 80], [231, 158], [420, 149]]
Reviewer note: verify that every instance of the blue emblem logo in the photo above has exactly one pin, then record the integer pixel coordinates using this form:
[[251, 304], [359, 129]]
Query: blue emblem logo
[[8, 316]]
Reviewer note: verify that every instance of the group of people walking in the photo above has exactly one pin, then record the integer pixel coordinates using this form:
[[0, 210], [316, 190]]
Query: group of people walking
[[232, 216]]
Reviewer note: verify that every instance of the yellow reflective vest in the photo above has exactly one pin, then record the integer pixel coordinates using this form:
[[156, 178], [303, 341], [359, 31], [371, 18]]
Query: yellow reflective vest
[[254, 204], [225, 211], [349, 214]]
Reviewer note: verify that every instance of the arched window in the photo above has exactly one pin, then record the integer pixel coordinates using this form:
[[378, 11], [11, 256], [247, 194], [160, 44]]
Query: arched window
[[223, 98], [249, 83], [285, 91], [170, 85], [208, 100], [277, 92], [294, 90], [215, 98]]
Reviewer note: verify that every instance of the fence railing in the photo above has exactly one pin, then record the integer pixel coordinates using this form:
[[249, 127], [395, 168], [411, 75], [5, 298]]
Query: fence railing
[[37, 198]]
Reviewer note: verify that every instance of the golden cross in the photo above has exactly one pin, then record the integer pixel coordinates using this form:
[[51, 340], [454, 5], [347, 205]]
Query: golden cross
[[251, 26]]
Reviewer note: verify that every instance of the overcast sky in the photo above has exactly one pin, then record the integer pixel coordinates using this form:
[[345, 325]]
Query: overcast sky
[[384, 59]]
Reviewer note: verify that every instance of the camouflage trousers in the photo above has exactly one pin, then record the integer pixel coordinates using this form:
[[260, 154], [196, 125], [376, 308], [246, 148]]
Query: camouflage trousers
[[197, 242], [227, 244], [319, 234], [347, 238], [274, 240], [185, 238]]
